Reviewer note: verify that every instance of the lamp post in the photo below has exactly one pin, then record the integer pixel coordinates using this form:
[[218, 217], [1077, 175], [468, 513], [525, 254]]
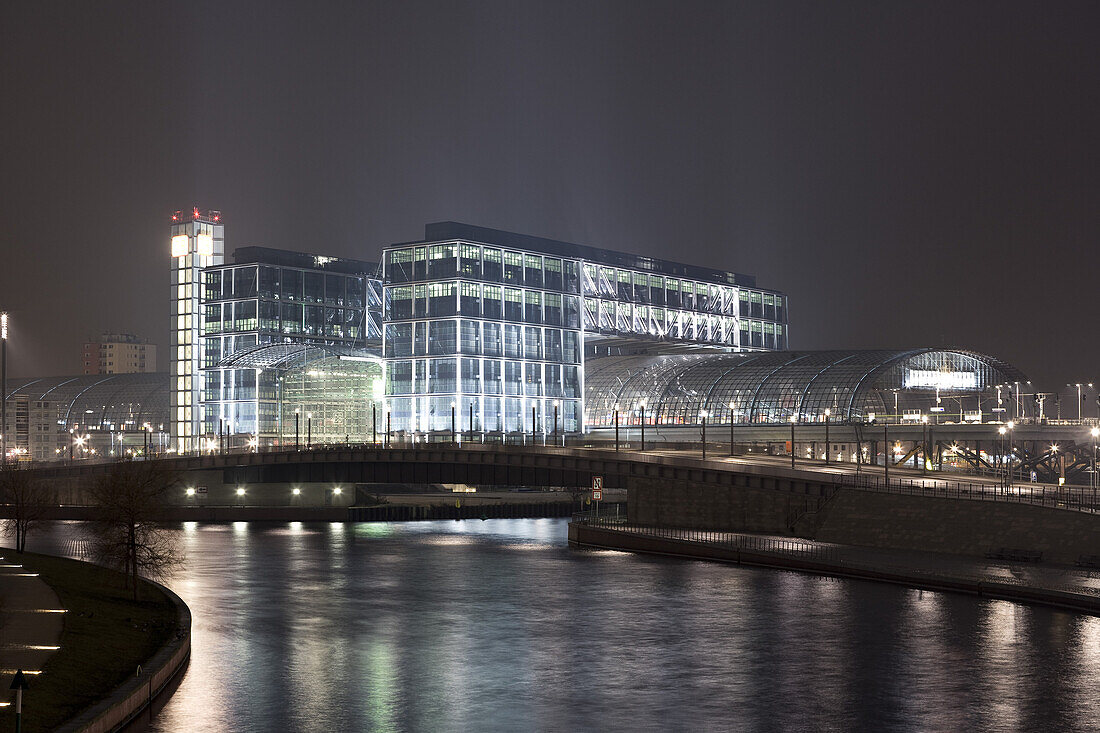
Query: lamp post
[[731, 430], [533, 421], [4, 392], [616, 428], [309, 431], [924, 443], [297, 444], [387, 441], [1092, 481], [794, 419], [827, 444], [19, 683], [453, 440], [555, 422], [703, 419], [374, 424], [885, 453], [471, 420], [1000, 459], [642, 406]]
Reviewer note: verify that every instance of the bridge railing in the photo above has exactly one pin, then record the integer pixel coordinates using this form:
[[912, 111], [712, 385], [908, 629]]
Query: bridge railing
[[916, 564], [727, 540], [1063, 497]]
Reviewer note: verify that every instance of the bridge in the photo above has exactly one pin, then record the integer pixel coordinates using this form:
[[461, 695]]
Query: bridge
[[270, 478]]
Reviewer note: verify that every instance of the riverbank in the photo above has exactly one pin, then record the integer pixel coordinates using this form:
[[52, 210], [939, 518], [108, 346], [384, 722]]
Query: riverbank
[[106, 636], [1058, 586]]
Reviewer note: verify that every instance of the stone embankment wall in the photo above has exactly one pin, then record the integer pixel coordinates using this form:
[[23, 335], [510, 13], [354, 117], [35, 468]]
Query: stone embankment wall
[[868, 518], [138, 693], [959, 526]]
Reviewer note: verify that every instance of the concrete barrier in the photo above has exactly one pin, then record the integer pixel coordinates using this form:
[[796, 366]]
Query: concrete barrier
[[138, 693], [587, 536]]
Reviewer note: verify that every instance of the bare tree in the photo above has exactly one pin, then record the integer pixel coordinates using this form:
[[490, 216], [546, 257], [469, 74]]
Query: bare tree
[[125, 533], [25, 498]]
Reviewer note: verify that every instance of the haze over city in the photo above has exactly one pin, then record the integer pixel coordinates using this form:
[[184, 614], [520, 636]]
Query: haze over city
[[911, 175]]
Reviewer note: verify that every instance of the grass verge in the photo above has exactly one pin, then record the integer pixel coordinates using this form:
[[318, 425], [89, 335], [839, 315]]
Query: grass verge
[[106, 635]]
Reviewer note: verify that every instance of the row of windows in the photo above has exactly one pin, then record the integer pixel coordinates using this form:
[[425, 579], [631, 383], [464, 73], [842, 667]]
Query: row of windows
[[478, 338], [484, 413], [441, 261], [484, 301], [638, 287], [482, 376], [280, 283], [286, 318]]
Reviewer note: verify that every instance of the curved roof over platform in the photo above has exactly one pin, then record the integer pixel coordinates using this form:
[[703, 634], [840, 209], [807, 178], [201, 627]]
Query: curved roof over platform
[[288, 356], [102, 401], [771, 387]]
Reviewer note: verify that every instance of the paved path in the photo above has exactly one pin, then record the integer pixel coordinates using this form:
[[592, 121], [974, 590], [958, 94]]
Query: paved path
[[30, 622]]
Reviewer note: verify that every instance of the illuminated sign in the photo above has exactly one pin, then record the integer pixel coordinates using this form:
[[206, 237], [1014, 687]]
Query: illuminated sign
[[932, 379], [206, 245], [179, 245]]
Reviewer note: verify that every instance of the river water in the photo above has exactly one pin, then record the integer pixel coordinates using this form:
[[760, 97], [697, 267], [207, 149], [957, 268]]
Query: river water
[[499, 626]]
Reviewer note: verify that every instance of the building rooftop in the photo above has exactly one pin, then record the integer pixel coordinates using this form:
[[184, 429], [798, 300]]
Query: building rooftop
[[287, 258], [450, 230]]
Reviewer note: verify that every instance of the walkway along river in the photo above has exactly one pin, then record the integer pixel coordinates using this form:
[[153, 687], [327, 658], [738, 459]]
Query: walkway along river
[[499, 625]]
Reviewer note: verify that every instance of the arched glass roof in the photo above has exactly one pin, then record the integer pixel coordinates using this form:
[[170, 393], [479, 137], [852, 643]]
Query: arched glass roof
[[774, 386], [287, 356], [102, 401]]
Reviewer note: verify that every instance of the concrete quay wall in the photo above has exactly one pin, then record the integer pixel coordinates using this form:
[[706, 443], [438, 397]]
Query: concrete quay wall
[[958, 526], [582, 535], [868, 518], [139, 693]]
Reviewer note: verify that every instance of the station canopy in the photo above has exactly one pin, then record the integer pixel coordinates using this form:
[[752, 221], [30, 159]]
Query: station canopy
[[774, 387], [109, 402]]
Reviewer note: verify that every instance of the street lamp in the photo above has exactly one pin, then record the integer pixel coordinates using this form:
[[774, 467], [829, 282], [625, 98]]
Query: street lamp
[[556, 403], [309, 431], [1092, 482], [641, 405], [297, 444], [827, 444], [732, 406], [386, 444], [703, 419], [794, 419], [452, 422], [4, 390], [616, 427], [1001, 458]]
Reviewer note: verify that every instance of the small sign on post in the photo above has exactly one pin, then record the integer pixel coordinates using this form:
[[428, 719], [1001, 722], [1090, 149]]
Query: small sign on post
[[597, 492]]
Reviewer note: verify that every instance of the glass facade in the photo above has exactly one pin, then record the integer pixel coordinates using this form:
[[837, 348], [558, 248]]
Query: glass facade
[[493, 326], [336, 392], [776, 387], [269, 297], [487, 334], [197, 242]]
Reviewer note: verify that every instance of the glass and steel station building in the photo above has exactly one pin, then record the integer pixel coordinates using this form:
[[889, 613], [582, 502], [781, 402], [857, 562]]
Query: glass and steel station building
[[484, 332]]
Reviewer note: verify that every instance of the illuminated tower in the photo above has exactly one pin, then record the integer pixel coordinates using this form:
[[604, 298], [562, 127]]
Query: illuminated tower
[[198, 241]]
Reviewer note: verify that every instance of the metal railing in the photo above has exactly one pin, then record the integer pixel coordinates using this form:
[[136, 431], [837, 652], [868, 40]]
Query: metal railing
[[920, 566], [1080, 499]]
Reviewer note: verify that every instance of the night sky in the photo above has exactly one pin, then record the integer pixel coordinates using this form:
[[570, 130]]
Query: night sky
[[911, 174]]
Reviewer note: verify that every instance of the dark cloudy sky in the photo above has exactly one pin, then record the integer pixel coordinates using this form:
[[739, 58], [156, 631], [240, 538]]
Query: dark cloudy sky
[[910, 173]]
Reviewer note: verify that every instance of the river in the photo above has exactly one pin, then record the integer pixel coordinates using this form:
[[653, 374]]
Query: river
[[499, 626]]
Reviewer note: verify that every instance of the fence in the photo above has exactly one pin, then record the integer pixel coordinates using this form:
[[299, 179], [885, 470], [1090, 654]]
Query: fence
[[1064, 497]]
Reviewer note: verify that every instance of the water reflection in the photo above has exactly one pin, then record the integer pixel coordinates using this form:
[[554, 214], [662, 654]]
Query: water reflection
[[498, 625]]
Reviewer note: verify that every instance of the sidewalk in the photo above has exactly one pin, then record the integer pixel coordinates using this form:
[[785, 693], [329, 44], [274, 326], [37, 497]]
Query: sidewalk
[[31, 620]]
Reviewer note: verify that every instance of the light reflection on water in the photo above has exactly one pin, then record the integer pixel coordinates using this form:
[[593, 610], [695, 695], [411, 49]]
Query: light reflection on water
[[498, 625]]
